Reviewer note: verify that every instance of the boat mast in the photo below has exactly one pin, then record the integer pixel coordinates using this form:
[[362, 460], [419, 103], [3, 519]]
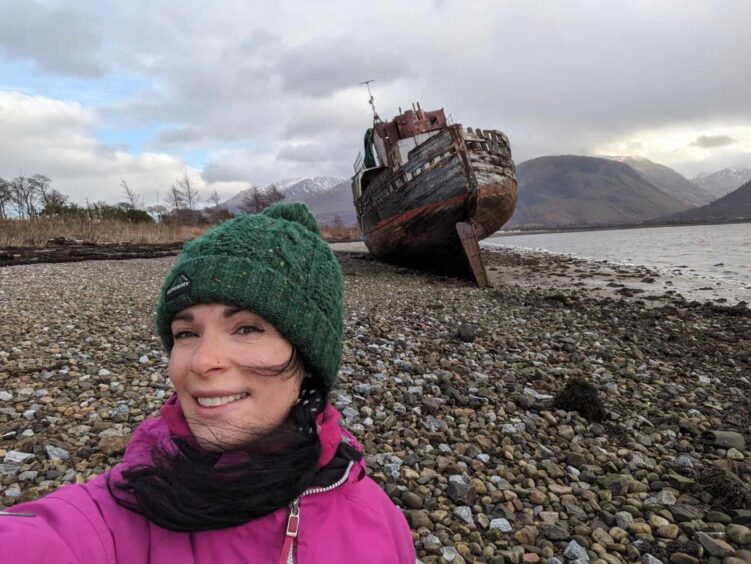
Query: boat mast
[[376, 117]]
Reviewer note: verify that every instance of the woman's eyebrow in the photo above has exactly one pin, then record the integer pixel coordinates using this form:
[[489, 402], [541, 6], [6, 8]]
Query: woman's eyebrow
[[230, 311], [183, 317]]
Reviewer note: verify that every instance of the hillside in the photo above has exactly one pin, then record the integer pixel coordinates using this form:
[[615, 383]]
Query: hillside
[[734, 206], [723, 181], [566, 190], [334, 202], [668, 180], [326, 196]]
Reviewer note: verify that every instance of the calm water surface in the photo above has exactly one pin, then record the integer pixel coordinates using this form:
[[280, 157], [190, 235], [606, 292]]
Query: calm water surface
[[715, 253]]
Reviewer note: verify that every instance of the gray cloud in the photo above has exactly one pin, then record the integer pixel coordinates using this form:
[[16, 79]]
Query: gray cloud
[[58, 39], [556, 77], [712, 141], [323, 68], [179, 136], [305, 153]]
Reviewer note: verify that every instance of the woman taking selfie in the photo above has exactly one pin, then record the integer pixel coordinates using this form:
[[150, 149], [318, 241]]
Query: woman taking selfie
[[247, 462]]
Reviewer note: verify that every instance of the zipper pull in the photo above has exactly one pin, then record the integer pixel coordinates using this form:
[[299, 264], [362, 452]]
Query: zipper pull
[[293, 522]]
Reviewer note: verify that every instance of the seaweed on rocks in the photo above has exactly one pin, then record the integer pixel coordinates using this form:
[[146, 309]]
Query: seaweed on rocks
[[580, 395], [690, 548], [726, 488]]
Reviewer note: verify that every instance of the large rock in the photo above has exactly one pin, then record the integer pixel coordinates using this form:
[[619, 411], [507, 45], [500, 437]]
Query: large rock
[[112, 443], [682, 558], [575, 551], [624, 519], [741, 516], [618, 484], [663, 497], [466, 332], [462, 493], [724, 439], [739, 534], [419, 519], [17, 457], [683, 512], [555, 533], [501, 524], [465, 514], [715, 546], [56, 453]]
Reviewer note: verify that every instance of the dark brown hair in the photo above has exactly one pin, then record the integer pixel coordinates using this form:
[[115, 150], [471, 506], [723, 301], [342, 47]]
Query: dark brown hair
[[184, 489]]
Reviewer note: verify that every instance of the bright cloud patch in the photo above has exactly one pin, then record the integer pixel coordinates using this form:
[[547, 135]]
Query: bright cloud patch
[[57, 139], [689, 149]]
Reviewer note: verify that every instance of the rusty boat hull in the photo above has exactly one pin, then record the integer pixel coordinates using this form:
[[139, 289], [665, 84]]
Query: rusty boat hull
[[456, 188]]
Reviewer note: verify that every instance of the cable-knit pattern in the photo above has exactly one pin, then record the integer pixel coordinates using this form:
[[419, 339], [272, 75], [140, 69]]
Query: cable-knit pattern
[[275, 264]]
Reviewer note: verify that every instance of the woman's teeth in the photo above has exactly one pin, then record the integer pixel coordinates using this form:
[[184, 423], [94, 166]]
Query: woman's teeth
[[215, 402]]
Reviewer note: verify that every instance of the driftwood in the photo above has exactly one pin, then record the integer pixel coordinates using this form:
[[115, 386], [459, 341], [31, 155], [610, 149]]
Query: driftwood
[[67, 250]]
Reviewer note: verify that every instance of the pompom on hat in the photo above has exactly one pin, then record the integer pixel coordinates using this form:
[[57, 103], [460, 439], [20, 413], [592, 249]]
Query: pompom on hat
[[276, 265]]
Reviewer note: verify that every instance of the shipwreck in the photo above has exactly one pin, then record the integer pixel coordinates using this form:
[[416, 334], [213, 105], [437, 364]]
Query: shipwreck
[[427, 191]]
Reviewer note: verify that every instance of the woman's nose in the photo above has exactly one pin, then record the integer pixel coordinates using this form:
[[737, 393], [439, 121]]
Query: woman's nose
[[209, 357]]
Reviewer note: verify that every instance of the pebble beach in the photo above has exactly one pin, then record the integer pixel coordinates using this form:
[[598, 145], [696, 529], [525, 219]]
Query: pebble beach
[[464, 398]]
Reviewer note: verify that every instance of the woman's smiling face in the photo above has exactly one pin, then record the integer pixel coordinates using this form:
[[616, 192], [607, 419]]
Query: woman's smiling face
[[216, 366]]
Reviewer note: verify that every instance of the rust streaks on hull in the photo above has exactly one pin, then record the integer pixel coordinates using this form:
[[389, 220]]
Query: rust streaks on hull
[[457, 187]]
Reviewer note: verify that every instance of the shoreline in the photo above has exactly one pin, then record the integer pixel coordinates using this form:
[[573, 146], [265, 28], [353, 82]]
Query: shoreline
[[449, 388], [603, 278], [530, 269], [608, 227]]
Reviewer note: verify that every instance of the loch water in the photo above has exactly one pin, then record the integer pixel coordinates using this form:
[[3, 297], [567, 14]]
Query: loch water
[[712, 255]]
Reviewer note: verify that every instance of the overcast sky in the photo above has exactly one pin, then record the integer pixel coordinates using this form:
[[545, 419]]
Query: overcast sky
[[240, 92]]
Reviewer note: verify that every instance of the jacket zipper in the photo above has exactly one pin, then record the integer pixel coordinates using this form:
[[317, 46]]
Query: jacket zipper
[[293, 521]]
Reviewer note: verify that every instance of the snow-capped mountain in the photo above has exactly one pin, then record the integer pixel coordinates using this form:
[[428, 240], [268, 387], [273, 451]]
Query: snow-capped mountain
[[667, 180], [296, 188], [326, 196], [722, 182]]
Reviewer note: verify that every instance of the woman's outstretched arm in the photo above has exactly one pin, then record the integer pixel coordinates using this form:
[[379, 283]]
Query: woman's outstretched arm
[[64, 527]]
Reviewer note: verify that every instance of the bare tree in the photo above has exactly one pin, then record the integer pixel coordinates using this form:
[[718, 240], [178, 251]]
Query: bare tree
[[54, 203], [132, 198], [175, 199], [5, 198], [252, 201], [273, 195], [214, 200], [40, 186], [258, 200], [24, 197], [189, 192]]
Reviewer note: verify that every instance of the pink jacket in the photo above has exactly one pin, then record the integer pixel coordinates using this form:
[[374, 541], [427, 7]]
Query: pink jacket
[[353, 521]]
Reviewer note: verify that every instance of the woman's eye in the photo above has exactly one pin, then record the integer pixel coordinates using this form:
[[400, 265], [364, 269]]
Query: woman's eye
[[183, 335], [249, 329]]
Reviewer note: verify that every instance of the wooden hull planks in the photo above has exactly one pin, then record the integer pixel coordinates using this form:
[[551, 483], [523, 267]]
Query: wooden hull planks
[[456, 186]]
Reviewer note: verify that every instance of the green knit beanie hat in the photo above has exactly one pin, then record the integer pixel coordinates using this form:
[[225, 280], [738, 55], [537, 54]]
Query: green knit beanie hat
[[276, 265]]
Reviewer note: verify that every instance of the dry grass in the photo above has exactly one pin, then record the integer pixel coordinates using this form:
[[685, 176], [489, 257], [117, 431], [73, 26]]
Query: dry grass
[[340, 233], [36, 232]]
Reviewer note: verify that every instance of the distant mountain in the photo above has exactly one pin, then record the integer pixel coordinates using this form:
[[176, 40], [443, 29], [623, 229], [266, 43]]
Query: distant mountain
[[326, 196], [337, 201], [307, 187], [560, 191], [668, 180], [723, 181], [734, 206]]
